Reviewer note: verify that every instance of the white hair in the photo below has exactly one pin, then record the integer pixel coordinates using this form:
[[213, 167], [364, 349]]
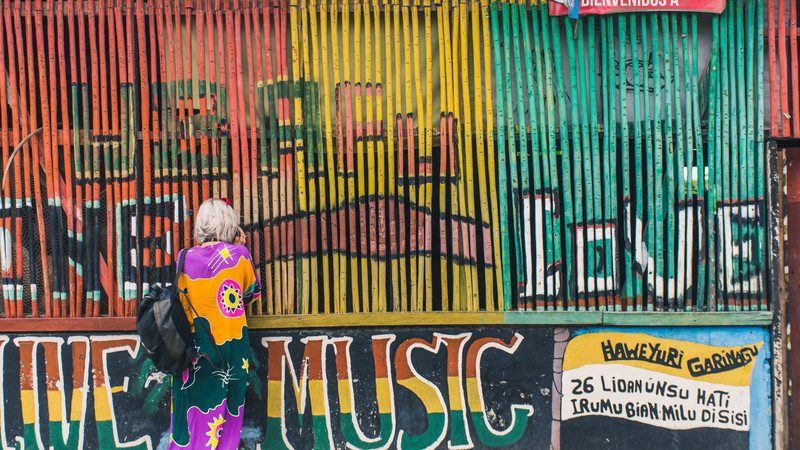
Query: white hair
[[215, 221]]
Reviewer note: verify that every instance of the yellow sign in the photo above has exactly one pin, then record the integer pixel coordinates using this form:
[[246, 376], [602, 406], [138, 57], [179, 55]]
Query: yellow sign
[[662, 382]]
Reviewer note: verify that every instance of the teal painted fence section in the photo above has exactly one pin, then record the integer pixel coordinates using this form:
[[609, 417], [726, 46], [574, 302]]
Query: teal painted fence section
[[647, 162]]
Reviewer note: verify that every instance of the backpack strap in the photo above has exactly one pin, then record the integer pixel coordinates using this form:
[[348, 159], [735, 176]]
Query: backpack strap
[[181, 262], [178, 272]]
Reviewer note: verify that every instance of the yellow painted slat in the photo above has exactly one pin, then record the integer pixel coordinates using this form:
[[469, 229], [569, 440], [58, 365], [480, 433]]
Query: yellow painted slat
[[381, 157], [490, 151], [480, 142], [469, 185], [392, 108], [369, 93], [443, 109], [326, 17], [321, 147], [428, 154]]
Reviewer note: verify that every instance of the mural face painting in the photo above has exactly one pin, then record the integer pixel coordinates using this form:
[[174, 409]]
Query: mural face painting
[[411, 389]]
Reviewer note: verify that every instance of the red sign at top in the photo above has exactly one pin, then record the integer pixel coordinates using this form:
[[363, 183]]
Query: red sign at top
[[624, 6]]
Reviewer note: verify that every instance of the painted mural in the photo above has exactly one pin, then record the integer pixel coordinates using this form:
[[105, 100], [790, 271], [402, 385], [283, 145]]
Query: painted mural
[[412, 388], [385, 155]]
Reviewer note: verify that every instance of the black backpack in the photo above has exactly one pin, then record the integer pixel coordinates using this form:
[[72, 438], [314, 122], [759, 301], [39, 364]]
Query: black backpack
[[164, 329]]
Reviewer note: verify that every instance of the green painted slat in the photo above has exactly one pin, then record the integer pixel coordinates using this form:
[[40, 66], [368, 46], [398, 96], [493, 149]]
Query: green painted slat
[[686, 168], [724, 172], [637, 210], [702, 167], [627, 271], [519, 157], [760, 155], [605, 156], [742, 133], [734, 127], [648, 244], [594, 128], [502, 181], [751, 115], [658, 186], [575, 157], [670, 161], [542, 21], [535, 188], [587, 157], [610, 130], [714, 131], [564, 150]]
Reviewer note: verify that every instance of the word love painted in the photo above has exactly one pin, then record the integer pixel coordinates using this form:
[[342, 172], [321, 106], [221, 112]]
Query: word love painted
[[437, 381], [48, 401], [737, 253]]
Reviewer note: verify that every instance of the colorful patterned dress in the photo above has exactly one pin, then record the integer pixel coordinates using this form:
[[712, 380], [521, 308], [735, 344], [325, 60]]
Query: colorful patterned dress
[[208, 400]]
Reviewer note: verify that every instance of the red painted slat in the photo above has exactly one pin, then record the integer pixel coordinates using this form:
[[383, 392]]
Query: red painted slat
[[773, 69], [785, 124], [5, 153], [144, 107]]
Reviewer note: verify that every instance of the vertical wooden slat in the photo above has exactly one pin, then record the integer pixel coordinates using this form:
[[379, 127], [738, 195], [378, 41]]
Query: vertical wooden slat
[[382, 229], [501, 158], [784, 118], [713, 175], [163, 173], [519, 170], [540, 22], [724, 153], [442, 169], [490, 168], [117, 225], [104, 148], [594, 148], [626, 218], [567, 192], [467, 161], [761, 156], [31, 160], [7, 207], [637, 196], [671, 141], [773, 69], [51, 295], [579, 217], [428, 121]]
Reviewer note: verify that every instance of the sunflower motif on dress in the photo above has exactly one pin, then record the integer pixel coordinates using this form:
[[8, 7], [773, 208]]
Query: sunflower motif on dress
[[214, 432], [229, 299]]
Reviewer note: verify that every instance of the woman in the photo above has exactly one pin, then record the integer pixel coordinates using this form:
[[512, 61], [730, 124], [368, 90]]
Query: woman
[[220, 281]]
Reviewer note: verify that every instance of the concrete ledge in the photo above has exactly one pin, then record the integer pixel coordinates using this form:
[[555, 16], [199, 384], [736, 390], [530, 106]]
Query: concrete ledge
[[415, 319]]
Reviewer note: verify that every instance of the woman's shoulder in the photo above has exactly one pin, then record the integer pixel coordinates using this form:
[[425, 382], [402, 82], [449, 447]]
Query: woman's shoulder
[[221, 249], [239, 250], [207, 261]]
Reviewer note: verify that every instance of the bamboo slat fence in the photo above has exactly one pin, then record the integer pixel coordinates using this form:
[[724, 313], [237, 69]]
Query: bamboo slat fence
[[386, 155]]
